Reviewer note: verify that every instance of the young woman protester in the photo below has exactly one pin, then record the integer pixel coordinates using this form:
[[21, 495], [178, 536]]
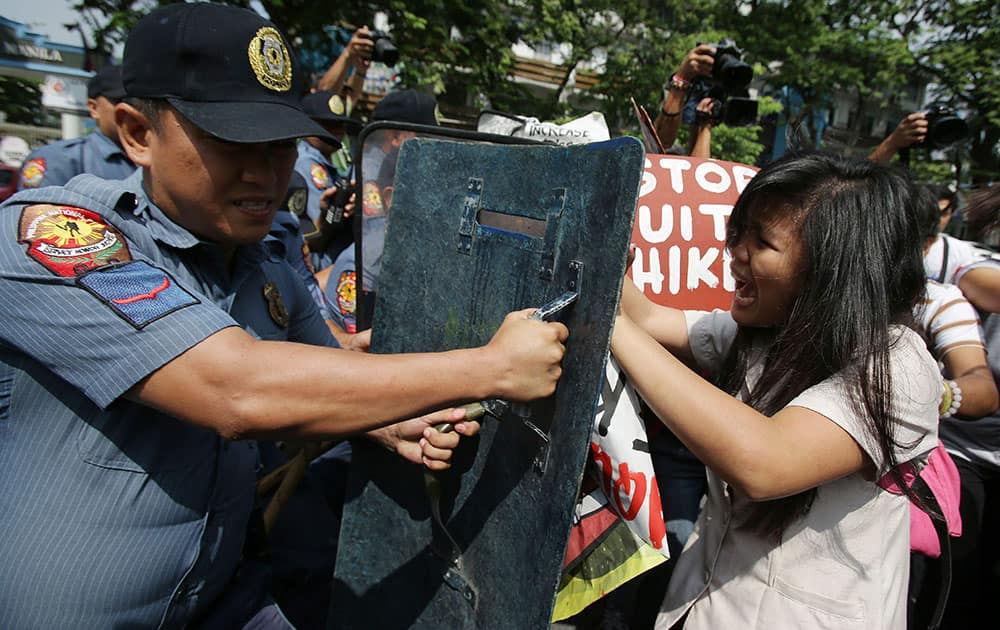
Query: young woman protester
[[819, 390]]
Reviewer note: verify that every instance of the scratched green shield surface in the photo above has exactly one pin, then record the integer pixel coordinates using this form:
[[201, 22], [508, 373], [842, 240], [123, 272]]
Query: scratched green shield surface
[[476, 231]]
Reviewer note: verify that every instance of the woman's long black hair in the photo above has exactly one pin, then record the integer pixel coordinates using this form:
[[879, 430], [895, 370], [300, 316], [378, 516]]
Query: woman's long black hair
[[863, 273]]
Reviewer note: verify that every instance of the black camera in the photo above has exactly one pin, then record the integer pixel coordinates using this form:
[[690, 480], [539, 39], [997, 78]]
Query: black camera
[[384, 50], [731, 102], [729, 68], [944, 128]]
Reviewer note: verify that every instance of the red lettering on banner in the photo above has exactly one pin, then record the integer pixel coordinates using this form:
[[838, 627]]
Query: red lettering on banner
[[623, 488], [657, 526], [680, 230]]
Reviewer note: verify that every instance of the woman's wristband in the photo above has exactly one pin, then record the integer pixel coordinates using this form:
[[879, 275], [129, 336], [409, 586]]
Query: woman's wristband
[[951, 399]]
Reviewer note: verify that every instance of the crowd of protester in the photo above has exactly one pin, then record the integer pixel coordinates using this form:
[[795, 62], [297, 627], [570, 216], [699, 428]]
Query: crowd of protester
[[859, 356]]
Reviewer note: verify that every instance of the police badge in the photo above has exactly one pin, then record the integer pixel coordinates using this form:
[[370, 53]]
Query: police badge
[[269, 60], [275, 306]]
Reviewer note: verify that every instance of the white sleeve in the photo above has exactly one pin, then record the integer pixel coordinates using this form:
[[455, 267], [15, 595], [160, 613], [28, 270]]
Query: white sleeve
[[916, 393]]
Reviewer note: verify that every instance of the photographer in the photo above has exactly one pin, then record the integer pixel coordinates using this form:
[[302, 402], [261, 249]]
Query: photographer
[[357, 54], [698, 62], [701, 131], [908, 132], [325, 229]]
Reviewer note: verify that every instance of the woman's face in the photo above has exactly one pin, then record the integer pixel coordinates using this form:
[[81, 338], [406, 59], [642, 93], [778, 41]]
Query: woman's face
[[768, 264]]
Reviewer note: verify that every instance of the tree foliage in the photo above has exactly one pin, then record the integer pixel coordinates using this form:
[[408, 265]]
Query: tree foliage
[[817, 47]]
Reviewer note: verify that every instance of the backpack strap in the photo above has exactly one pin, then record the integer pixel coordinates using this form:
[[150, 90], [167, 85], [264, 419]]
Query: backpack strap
[[944, 562], [944, 260]]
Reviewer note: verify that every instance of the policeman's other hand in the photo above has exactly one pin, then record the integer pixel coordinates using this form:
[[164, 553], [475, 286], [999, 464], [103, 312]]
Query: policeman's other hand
[[528, 354], [406, 438], [437, 446], [697, 63], [909, 131]]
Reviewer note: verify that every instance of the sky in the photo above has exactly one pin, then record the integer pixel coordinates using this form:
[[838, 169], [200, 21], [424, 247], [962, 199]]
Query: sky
[[43, 16]]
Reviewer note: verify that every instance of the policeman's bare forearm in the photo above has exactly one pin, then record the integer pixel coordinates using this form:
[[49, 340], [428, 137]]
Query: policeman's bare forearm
[[243, 388]]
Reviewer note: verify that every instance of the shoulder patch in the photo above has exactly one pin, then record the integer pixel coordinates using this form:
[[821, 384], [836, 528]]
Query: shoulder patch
[[347, 298], [371, 199], [70, 241], [32, 173], [136, 291], [320, 176]]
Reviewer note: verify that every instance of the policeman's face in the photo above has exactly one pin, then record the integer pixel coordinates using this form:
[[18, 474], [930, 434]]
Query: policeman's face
[[222, 191], [102, 110]]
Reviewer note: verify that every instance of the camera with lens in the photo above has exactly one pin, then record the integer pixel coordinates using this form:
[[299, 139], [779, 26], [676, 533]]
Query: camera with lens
[[384, 49], [944, 128], [731, 102]]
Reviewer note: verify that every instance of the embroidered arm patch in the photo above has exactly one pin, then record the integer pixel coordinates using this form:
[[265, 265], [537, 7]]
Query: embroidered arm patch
[[32, 173], [137, 292], [70, 241], [347, 299], [321, 179]]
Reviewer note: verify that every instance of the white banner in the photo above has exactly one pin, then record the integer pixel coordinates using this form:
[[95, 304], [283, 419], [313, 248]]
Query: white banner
[[620, 448], [583, 130]]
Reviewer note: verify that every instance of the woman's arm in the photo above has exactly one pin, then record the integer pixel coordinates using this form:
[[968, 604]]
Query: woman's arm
[[765, 458], [969, 369], [664, 324]]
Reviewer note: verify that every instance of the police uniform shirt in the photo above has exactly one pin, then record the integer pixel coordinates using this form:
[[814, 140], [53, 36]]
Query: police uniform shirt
[[287, 241], [115, 514], [56, 163], [342, 291], [318, 173]]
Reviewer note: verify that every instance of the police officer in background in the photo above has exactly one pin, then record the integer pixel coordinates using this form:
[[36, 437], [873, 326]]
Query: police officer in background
[[98, 153], [148, 334], [340, 280], [332, 233]]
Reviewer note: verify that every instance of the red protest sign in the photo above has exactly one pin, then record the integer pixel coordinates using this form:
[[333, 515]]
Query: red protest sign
[[680, 230]]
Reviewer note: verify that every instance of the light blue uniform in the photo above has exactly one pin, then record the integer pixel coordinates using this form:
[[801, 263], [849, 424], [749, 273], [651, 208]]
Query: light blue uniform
[[320, 175], [56, 163], [114, 514], [287, 241]]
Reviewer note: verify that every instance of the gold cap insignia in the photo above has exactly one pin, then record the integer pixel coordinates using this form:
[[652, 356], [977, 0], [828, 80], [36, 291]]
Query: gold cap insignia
[[336, 105], [270, 60], [275, 306], [297, 201]]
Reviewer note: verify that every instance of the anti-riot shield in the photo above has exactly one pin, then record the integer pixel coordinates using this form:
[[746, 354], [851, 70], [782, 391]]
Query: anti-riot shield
[[379, 145], [477, 231]]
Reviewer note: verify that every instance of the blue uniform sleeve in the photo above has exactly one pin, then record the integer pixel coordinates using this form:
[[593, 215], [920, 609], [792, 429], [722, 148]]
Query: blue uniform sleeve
[[308, 324], [99, 315], [317, 180], [51, 165], [341, 291]]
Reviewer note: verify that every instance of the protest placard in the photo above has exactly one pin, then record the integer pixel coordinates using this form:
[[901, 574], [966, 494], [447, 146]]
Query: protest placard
[[680, 230]]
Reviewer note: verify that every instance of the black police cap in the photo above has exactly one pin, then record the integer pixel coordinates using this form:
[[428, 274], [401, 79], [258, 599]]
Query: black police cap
[[328, 106], [106, 82], [410, 106], [226, 69]]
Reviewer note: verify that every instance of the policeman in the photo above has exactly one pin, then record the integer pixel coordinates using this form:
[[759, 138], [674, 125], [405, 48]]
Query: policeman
[[148, 332], [99, 152], [287, 240], [340, 280], [314, 165]]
